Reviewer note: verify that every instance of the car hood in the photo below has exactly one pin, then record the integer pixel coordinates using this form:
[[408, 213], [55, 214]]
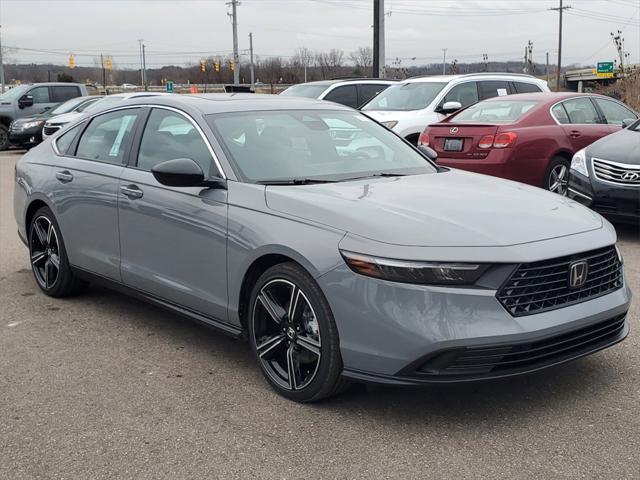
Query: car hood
[[40, 116], [66, 118], [452, 208], [622, 147]]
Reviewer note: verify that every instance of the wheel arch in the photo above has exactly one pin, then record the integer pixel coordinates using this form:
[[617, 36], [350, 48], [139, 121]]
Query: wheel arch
[[5, 120], [34, 205]]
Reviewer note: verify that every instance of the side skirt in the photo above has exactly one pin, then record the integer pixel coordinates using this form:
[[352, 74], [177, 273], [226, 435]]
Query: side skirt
[[197, 317]]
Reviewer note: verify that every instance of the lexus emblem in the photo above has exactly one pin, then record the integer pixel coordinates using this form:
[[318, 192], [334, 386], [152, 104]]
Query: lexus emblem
[[631, 176], [578, 273], [453, 130]]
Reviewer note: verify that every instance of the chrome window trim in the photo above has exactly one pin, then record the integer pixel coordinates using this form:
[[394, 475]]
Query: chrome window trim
[[574, 98], [617, 164], [216, 161]]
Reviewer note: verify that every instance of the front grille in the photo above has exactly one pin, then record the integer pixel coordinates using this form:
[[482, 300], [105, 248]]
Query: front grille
[[50, 129], [504, 359], [542, 286], [619, 173]]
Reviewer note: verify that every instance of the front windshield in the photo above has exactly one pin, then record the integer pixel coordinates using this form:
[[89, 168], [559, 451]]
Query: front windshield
[[406, 96], [103, 104], [68, 106], [305, 90], [14, 93], [323, 145], [506, 111]]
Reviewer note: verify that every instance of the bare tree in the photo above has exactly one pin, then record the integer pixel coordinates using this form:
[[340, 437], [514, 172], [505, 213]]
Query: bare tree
[[301, 61], [363, 60], [334, 61]]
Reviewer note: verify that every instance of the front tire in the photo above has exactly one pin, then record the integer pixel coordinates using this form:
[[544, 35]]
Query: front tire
[[293, 335], [556, 179], [49, 262], [4, 137]]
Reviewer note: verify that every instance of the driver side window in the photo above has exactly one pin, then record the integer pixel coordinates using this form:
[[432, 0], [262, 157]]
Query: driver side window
[[169, 135], [39, 94], [464, 93]]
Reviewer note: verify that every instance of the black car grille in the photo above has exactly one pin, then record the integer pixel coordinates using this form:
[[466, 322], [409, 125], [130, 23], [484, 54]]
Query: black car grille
[[619, 173], [542, 286], [473, 362], [50, 129]]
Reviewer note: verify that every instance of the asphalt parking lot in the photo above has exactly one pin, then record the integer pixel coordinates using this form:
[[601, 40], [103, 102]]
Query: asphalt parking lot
[[104, 386]]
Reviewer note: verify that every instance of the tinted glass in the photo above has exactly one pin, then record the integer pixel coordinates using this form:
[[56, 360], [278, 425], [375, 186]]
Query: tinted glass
[[64, 93], [560, 113], [370, 90], [581, 111], [614, 112], [406, 96], [305, 90], [346, 95], [494, 112], [64, 141], [522, 87], [40, 94], [312, 144], [104, 103], [68, 106], [106, 137], [492, 88], [169, 135], [465, 93]]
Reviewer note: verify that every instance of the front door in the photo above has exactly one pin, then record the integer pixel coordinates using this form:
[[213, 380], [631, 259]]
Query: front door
[[173, 239]]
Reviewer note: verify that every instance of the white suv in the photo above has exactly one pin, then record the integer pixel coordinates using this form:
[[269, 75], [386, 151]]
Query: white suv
[[408, 107]]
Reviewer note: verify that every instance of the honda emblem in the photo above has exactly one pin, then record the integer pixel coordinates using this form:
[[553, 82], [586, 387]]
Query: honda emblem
[[578, 273]]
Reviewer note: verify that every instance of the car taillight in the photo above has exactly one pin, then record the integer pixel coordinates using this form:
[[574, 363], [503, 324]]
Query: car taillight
[[423, 139], [486, 142], [504, 140]]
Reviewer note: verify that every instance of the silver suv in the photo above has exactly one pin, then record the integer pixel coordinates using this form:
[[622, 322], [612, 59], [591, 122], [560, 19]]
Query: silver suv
[[354, 92]]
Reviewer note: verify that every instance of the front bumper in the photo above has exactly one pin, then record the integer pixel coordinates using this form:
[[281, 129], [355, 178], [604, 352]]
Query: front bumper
[[408, 334], [616, 202], [23, 138]]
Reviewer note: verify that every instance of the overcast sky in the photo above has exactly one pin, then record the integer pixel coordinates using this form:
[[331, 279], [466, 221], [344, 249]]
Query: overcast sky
[[183, 31]]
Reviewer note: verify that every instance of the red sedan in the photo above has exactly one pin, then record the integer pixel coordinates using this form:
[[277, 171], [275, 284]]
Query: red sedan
[[529, 138]]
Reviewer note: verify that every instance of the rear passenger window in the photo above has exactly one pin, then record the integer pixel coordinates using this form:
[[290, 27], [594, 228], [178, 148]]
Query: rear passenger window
[[522, 87], [464, 93], [63, 93], [492, 88], [581, 111], [369, 90], [107, 136], [169, 135], [560, 114], [346, 95], [64, 141]]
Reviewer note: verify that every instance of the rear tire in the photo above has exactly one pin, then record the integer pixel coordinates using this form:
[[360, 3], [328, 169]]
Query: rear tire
[[4, 137], [556, 179], [293, 335], [48, 256]]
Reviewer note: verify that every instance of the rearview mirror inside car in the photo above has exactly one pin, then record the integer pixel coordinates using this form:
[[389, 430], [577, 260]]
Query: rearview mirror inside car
[[184, 172], [428, 152]]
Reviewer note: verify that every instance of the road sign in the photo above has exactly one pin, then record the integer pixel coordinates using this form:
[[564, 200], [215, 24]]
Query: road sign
[[169, 86], [605, 67], [605, 75]]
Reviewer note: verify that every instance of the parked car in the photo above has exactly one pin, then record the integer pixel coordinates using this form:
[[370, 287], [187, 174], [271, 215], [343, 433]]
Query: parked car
[[409, 106], [529, 138], [353, 92], [26, 132], [28, 100], [58, 122], [606, 175], [370, 264]]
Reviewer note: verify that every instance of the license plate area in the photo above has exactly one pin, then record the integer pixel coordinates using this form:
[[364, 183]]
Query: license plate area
[[453, 144]]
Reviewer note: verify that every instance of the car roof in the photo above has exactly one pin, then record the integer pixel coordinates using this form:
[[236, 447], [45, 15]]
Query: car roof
[[544, 97], [475, 76], [209, 103], [335, 81]]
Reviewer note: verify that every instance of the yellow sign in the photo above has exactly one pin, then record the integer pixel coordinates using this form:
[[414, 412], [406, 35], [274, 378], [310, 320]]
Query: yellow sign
[[605, 75], [72, 61]]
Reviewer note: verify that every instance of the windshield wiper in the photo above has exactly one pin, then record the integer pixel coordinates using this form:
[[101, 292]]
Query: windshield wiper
[[294, 181], [378, 174]]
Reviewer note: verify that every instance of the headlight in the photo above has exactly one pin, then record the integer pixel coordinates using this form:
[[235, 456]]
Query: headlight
[[579, 162], [434, 273], [390, 124], [36, 123]]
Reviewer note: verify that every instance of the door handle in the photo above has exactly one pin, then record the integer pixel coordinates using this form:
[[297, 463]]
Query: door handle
[[131, 191], [575, 134], [64, 176]]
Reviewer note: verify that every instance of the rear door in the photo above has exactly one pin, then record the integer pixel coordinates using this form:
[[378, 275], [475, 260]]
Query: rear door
[[62, 93], [580, 121], [492, 88]]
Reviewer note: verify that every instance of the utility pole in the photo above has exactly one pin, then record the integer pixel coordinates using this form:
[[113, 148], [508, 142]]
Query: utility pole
[[378, 39], [253, 78], [144, 67], [104, 74], [485, 61], [547, 68], [1, 62], [234, 19], [141, 69], [444, 61], [560, 9]]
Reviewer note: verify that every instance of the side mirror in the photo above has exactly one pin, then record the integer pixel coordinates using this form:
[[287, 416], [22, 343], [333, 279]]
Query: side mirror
[[627, 122], [26, 101], [450, 107], [428, 152], [184, 172]]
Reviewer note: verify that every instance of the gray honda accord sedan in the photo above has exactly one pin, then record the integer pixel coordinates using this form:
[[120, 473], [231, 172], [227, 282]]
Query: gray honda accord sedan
[[340, 251]]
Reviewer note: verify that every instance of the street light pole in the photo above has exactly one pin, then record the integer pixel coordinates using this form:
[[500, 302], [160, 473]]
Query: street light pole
[[234, 18], [1, 62], [253, 79], [444, 61]]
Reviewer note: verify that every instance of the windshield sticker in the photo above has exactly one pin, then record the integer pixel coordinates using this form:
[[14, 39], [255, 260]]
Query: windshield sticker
[[115, 148]]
